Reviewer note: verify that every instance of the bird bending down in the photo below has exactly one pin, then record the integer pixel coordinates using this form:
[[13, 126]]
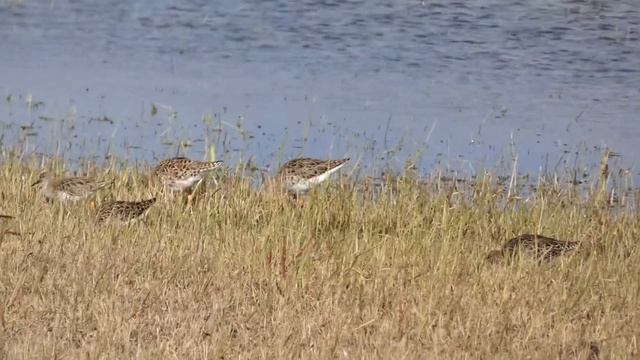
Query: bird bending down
[[537, 246], [69, 189], [299, 175], [181, 174], [124, 211]]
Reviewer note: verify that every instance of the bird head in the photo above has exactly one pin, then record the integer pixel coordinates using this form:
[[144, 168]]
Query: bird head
[[41, 177]]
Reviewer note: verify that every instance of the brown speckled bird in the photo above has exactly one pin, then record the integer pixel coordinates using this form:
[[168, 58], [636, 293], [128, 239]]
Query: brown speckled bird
[[537, 246], [68, 188], [124, 211], [179, 173], [299, 175]]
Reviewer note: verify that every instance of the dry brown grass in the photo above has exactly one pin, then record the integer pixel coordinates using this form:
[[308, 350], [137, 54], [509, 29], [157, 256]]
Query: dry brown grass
[[398, 272]]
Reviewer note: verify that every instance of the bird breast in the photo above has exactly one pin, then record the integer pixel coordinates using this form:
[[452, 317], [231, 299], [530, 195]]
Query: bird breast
[[179, 184]]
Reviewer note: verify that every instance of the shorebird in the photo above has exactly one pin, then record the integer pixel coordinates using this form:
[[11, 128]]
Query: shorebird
[[299, 175], [124, 211], [537, 246], [68, 188], [179, 174]]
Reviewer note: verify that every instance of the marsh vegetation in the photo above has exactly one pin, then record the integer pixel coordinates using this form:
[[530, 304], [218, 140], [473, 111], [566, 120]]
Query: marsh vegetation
[[391, 267]]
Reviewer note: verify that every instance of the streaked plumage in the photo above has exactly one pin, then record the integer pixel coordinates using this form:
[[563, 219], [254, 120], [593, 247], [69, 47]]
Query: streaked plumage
[[299, 175], [537, 246], [124, 211], [179, 174], [68, 188]]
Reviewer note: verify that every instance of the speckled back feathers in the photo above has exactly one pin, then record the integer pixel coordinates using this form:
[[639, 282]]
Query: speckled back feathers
[[181, 167], [538, 246], [124, 211], [308, 168], [69, 188]]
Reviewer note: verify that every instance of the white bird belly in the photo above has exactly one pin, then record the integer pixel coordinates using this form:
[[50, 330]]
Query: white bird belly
[[182, 184]]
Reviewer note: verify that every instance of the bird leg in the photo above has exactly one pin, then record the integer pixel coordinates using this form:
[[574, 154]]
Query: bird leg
[[296, 199], [214, 180], [192, 193], [92, 204]]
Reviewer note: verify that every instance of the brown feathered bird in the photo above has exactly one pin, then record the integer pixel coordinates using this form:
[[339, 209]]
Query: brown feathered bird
[[537, 246], [68, 188], [179, 173], [124, 211], [299, 175]]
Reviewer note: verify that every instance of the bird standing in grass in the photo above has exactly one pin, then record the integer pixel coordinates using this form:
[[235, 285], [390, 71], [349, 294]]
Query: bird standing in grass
[[299, 175], [537, 246], [181, 174], [124, 211], [68, 189]]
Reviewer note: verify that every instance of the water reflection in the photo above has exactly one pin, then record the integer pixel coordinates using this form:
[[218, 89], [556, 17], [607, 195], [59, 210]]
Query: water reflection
[[460, 84]]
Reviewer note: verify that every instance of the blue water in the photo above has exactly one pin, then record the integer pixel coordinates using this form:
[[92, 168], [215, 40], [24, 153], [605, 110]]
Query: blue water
[[451, 84]]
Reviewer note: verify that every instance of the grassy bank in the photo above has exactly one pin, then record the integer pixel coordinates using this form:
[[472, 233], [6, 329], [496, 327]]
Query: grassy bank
[[387, 270]]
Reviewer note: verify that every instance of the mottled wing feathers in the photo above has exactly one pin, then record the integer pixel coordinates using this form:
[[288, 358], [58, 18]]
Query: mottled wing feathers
[[124, 211], [538, 246], [307, 168], [180, 173], [79, 186], [185, 167], [68, 188], [169, 165], [541, 245]]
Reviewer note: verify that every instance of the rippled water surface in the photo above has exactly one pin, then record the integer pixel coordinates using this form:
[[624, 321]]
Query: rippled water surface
[[463, 84]]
